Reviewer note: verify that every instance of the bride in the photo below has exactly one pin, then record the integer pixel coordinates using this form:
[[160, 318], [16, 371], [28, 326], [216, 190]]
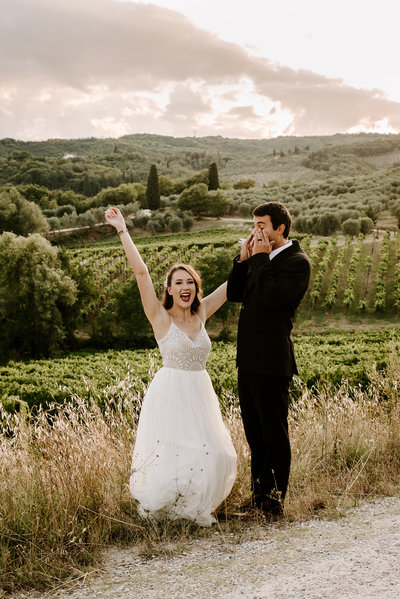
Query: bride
[[184, 463]]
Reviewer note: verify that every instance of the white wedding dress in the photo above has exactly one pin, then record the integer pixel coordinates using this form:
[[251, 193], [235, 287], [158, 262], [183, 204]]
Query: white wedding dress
[[184, 463]]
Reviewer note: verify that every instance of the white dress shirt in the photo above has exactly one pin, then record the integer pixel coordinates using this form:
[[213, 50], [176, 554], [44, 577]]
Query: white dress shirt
[[276, 252]]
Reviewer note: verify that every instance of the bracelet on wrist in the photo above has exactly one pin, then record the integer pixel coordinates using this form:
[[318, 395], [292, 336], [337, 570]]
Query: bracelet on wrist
[[122, 231]]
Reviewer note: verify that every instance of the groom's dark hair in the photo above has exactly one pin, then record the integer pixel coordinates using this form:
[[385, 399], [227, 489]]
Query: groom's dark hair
[[278, 214]]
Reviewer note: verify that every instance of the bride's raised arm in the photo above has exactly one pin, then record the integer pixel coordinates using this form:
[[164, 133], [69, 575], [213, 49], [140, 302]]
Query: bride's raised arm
[[213, 301], [153, 308]]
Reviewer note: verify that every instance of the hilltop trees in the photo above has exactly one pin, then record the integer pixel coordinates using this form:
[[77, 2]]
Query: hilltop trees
[[41, 196], [91, 174], [153, 189]]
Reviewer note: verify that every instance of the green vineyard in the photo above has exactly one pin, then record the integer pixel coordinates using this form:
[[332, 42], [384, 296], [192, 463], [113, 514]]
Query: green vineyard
[[359, 276], [95, 376], [355, 279], [349, 276]]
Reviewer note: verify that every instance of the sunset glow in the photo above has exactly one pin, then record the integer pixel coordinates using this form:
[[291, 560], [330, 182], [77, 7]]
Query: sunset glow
[[108, 68]]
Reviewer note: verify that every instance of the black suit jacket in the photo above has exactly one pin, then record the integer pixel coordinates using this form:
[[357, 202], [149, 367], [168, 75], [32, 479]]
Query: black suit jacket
[[270, 292]]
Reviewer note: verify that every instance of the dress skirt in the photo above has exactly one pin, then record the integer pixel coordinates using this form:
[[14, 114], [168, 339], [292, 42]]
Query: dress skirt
[[184, 462]]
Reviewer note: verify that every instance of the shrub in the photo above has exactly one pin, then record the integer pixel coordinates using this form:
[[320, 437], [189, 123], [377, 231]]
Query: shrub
[[351, 226], [19, 216], [327, 224], [195, 199], [366, 225], [244, 209], [35, 297], [175, 224], [244, 184]]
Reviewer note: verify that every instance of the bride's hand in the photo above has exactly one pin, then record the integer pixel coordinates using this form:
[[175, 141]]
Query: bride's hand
[[115, 218]]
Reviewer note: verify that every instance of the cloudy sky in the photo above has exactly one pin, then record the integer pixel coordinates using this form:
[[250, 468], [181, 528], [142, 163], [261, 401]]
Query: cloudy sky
[[249, 69]]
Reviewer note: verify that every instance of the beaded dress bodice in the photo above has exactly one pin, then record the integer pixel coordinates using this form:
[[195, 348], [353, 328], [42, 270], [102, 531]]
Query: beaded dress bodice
[[182, 353]]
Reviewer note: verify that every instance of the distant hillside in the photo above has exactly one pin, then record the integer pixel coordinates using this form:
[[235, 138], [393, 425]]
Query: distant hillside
[[357, 157], [264, 160], [152, 145]]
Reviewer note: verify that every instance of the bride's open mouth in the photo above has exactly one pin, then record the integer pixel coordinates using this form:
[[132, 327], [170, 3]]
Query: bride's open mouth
[[185, 297]]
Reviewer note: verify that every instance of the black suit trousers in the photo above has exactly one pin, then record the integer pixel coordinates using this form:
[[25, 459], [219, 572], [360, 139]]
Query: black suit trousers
[[264, 402]]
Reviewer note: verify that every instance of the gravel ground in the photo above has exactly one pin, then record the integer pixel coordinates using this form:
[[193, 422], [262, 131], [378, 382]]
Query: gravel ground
[[355, 556]]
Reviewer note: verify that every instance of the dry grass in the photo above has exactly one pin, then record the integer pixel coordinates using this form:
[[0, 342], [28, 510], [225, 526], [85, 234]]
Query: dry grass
[[346, 447], [63, 476]]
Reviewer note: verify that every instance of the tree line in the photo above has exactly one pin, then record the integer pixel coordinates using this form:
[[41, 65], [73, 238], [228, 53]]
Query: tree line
[[31, 208]]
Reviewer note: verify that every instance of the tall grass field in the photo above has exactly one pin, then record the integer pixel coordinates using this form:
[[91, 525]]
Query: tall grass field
[[64, 472]]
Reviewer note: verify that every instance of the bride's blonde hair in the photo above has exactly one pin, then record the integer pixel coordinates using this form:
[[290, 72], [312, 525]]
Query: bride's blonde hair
[[168, 301]]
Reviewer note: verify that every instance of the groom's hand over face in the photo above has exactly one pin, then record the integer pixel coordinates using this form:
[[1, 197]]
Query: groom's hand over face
[[261, 242], [247, 248]]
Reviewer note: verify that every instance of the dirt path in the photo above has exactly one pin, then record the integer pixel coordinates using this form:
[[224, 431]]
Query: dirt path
[[355, 557]]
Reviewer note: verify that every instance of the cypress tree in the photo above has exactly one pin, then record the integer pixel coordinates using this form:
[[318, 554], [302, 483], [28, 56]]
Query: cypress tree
[[213, 181], [153, 189], [87, 186]]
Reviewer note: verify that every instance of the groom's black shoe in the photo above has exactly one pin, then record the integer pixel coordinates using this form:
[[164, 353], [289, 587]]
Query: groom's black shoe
[[272, 509], [272, 516]]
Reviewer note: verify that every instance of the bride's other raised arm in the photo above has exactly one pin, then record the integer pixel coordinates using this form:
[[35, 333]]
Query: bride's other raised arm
[[154, 310], [213, 301]]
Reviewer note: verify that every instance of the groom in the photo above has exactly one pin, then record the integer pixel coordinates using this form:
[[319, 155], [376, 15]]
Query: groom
[[269, 278]]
